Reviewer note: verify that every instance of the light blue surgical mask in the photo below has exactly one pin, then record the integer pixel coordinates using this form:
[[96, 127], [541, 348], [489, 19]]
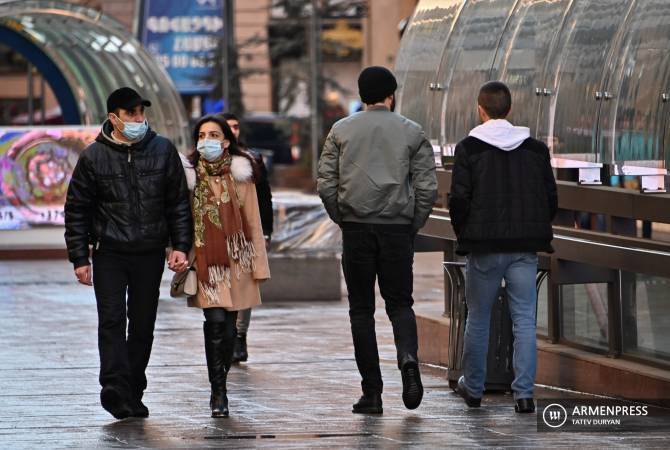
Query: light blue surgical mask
[[210, 149], [134, 131]]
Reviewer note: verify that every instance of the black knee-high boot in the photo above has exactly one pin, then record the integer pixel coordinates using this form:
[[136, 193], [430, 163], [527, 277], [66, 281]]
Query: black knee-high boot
[[217, 366]]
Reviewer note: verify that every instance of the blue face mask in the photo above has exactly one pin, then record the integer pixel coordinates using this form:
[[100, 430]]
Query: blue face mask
[[134, 131], [210, 149]]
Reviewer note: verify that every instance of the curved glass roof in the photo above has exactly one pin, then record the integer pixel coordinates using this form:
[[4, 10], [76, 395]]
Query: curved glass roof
[[590, 78], [96, 55]]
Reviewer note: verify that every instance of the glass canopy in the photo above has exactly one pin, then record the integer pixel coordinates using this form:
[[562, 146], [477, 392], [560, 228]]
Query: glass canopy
[[84, 56], [591, 78]]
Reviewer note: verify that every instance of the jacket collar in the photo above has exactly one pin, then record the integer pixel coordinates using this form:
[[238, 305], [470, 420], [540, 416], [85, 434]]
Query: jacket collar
[[105, 137], [377, 108]]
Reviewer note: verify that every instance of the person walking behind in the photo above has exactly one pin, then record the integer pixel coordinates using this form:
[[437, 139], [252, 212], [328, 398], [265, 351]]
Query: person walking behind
[[502, 202], [127, 197], [230, 256], [377, 180], [264, 195]]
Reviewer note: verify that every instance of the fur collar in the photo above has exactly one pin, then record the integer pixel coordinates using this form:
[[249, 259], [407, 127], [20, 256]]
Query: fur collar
[[241, 169]]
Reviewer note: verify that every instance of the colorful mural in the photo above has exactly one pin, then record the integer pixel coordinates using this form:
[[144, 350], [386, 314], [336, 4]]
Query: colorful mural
[[36, 164]]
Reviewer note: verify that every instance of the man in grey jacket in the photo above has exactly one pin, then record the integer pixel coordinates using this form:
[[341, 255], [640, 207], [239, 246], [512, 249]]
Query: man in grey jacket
[[377, 181]]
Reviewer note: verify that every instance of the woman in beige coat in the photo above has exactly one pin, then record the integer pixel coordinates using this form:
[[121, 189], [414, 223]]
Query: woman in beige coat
[[230, 256]]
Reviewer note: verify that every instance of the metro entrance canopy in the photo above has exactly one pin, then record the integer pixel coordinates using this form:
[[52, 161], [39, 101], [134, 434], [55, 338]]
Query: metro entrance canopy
[[84, 56]]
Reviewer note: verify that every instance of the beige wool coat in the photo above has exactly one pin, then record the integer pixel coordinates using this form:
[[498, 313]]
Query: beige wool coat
[[244, 291]]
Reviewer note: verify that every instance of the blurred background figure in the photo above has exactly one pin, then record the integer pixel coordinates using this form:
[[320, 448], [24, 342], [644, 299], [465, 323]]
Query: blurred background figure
[[264, 195]]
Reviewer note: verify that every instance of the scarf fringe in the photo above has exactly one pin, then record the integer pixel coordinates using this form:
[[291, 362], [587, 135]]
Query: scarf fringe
[[243, 252], [217, 274]]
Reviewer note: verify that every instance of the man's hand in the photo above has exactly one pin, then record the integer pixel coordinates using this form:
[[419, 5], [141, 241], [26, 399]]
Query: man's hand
[[268, 241], [177, 261], [83, 275]]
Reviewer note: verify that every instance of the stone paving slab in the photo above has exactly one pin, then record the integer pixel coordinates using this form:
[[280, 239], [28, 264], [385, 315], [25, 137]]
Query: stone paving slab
[[295, 391]]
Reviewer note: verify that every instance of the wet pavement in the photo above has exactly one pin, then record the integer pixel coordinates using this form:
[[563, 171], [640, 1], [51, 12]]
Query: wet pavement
[[295, 391]]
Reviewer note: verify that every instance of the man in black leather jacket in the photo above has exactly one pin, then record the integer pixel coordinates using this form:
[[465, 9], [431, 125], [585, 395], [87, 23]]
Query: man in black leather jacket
[[127, 198]]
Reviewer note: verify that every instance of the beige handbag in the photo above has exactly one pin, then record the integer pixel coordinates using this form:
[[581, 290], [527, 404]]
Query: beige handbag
[[184, 283]]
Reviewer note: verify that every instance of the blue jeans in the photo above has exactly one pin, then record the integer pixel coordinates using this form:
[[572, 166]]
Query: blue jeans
[[484, 275]]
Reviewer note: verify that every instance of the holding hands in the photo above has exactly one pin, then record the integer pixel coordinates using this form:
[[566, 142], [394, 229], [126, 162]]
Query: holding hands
[[177, 261]]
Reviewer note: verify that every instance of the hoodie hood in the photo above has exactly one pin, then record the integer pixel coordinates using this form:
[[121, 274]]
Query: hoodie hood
[[500, 133], [105, 137]]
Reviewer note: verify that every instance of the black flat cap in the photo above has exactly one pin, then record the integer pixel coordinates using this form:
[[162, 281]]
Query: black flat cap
[[375, 83], [125, 98]]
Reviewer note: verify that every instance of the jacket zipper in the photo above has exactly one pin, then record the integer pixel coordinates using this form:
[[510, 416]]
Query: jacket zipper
[[135, 194]]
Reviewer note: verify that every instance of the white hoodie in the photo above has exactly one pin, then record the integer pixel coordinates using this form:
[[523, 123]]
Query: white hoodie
[[500, 133]]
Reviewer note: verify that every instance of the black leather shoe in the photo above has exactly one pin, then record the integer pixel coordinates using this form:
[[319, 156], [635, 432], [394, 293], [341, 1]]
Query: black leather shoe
[[524, 405], [472, 402], [219, 404], [114, 403], [412, 389], [368, 404], [138, 409]]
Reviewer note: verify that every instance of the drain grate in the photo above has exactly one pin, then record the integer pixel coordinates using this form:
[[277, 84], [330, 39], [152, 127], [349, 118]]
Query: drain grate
[[291, 436]]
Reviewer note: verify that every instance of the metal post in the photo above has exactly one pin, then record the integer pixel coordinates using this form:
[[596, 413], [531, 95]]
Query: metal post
[[554, 311], [31, 95], [228, 42], [315, 44], [138, 14], [614, 328], [43, 113]]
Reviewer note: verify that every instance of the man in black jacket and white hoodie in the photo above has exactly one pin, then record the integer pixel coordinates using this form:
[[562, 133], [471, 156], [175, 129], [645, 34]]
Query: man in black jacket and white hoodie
[[502, 202], [128, 198]]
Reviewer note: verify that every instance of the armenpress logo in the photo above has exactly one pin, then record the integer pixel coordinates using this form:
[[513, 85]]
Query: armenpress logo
[[554, 415]]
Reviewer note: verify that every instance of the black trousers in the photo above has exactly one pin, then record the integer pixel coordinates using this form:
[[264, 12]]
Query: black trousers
[[124, 358], [386, 253]]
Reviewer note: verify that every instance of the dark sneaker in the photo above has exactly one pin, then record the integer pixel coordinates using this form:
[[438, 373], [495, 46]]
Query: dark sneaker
[[412, 389], [524, 405], [114, 403], [368, 404], [472, 402]]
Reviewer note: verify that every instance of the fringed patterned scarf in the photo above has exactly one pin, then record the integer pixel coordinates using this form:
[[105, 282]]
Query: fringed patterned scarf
[[222, 238]]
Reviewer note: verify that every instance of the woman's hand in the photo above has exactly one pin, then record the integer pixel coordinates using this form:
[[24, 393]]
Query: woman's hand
[[177, 261]]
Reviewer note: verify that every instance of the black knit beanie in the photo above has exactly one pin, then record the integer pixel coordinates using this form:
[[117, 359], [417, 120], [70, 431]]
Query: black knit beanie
[[375, 83]]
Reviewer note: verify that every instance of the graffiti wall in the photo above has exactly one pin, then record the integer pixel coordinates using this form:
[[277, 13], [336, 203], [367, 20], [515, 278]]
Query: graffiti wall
[[36, 164]]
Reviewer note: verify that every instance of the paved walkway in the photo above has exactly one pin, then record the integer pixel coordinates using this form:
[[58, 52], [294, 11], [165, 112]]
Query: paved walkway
[[295, 391]]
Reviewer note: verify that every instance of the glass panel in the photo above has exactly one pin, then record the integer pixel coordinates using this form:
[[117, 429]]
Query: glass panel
[[584, 314], [632, 121], [646, 316], [522, 55], [420, 54], [569, 120], [466, 65], [100, 67]]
